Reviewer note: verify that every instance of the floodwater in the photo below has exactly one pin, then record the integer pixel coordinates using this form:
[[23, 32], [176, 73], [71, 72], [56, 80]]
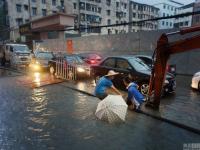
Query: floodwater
[[54, 117]]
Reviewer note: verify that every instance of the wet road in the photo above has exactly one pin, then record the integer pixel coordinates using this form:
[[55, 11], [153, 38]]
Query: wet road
[[56, 117]]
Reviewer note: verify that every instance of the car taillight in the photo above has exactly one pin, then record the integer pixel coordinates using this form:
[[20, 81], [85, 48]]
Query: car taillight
[[92, 61]]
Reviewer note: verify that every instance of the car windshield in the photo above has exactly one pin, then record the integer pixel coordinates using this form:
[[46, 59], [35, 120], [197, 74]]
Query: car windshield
[[74, 59], [22, 48], [138, 64], [45, 55]]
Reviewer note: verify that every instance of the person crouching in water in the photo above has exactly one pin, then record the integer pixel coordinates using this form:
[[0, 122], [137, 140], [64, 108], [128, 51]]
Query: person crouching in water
[[104, 83], [135, 98]]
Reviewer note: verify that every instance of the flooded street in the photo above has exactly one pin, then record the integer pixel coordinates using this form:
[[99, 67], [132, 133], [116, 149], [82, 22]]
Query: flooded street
[[55, 117]]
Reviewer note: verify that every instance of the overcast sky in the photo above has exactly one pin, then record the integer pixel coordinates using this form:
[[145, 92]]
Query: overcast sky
[[157, 1]]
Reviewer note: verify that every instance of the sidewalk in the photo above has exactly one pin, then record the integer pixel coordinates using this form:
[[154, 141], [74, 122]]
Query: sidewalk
[[181, 107]]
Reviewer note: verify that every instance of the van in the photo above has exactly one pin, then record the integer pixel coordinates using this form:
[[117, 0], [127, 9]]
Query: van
[[16, 54]]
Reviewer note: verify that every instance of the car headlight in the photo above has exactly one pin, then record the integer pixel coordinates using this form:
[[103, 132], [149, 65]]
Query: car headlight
[[37, 62], [79, 69]]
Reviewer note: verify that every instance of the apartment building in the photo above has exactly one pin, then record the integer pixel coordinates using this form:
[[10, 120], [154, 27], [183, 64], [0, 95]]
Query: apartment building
[[19, 12], [196, 18], [140, 12], [115, 12], [88, 14], [167, 8], [184, 21]]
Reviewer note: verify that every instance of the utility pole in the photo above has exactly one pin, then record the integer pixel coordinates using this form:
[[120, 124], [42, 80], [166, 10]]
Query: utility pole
[[78, 7], [29, 5]]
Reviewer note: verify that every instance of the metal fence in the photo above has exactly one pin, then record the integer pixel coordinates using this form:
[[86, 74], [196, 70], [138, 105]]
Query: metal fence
[[65, 71]]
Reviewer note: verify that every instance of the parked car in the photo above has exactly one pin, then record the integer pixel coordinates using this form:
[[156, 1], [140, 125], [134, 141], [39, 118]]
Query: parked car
[[91, 58], [15, 54], [40, 60], [130, 65], [149, 61], [196, 81], [82, 69]]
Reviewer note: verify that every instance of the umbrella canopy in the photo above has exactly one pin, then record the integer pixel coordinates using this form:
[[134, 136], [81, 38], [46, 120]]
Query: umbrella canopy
[[112, 109]]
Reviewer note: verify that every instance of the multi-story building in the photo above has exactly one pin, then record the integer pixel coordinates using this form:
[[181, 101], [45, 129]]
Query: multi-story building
[[184, 21], [196, 18], [167, 8], [115, 12], [88, 14], [140, 12], [20, 12]]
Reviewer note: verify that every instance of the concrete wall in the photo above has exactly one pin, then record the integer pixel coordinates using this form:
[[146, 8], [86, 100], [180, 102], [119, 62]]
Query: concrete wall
[[131, 43]]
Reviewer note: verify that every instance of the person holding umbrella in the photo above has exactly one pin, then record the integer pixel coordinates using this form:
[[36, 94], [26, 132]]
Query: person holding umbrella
[[135, 98], [104, 83]]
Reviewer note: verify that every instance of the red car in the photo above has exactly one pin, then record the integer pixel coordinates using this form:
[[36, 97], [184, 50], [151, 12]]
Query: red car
[[91, 58]]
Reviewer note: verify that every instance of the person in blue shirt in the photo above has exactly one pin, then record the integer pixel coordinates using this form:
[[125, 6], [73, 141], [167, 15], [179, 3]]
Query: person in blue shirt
[[105, 83], [135, 98]]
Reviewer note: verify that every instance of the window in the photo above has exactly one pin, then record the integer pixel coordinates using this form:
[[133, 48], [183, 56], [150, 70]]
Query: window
[[172, 8], [163, 14], [19, 21], [34, 1], [88, 6], [125, 5], [44, 12], [122, 64], [99, 10], [52, 35], [109, 31], [54, 12], [117, 4], [163, 23], [19, 8], [82, 6], [186, 23], [166, 23], [43, 1], [134, 15], [26, 7], [74, 5], [108, 12], [62, 3], [168, 7], [164, 6], [110, 62], [170, 24], [34, 11], [27, 20], [108, 22], [108, 2], [54, 2]]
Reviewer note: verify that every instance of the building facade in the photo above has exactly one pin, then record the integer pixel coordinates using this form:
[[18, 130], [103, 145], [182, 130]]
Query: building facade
[[196, 18], [140, 12], [167, 8], [4, 26], [184, 21]]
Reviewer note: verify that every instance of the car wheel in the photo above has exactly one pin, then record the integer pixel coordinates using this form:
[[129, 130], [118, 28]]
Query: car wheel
[[144, 87], [97, 79], [52, 70]]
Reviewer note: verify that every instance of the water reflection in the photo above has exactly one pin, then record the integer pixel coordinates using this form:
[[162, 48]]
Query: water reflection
[[37, 78]]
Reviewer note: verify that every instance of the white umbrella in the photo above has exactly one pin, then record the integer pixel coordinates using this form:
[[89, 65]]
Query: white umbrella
[[112, 109]]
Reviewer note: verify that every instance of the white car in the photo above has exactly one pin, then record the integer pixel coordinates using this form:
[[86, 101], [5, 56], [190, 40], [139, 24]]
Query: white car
[[196, 81]]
